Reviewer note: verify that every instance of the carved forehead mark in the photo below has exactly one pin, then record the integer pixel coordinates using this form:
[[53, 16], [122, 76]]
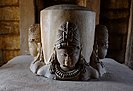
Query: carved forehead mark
[[68, 35]]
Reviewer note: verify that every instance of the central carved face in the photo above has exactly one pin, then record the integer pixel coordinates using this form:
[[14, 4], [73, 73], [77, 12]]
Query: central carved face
[[68, 57], [67, 46]]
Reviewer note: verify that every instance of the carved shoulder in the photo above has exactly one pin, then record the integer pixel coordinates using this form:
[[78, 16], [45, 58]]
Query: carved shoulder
[[90, 73], [44, 71]]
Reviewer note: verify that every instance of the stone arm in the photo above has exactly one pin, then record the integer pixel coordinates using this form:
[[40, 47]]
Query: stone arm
[[38, 61], [39, 56], [96, 63]]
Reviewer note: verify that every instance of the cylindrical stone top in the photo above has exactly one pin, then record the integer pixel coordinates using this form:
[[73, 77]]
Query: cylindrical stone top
[[52, 18]]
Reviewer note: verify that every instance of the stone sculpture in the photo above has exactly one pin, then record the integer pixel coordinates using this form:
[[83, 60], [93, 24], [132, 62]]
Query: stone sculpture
[[67, 39], [100, 48], [35, 48], [67, 62]]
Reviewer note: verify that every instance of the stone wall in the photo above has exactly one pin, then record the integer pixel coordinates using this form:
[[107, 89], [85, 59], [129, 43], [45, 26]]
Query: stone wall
[[27, 18], [9, 30]]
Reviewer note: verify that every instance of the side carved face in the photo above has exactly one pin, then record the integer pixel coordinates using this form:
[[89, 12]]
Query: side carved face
[[102, 40], [34, 39], [68, 57]]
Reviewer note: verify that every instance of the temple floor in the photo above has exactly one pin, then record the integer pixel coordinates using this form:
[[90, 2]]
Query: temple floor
[[16, 76]]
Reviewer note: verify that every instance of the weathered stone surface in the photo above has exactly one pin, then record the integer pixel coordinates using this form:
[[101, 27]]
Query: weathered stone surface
[[115, 4], [91, 4], [9, 46], [9, 27], [9, 54], [11, 42], [9, 2], [9, 13], [16, 76], [94, 5]]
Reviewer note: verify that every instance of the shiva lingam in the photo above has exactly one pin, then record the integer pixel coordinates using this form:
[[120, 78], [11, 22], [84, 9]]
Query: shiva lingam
[[67, 39]]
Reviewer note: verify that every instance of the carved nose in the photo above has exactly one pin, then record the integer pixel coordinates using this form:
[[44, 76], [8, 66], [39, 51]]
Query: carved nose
[[68, 61]]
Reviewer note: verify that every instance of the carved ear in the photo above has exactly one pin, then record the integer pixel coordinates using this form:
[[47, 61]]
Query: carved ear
[[80, 55], [81, 46], [55, 54], [81, 59], [53, 58]]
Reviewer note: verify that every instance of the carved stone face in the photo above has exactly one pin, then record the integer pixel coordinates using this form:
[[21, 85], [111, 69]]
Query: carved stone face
[[102, 40], [68, 57], [34, 39], [67, 46], [102, 49]]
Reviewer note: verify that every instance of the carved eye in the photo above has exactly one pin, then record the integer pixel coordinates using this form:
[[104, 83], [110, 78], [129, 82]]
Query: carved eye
[[78, 47], [64, 54], [105, 45], [59, 46], [32, 39]]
